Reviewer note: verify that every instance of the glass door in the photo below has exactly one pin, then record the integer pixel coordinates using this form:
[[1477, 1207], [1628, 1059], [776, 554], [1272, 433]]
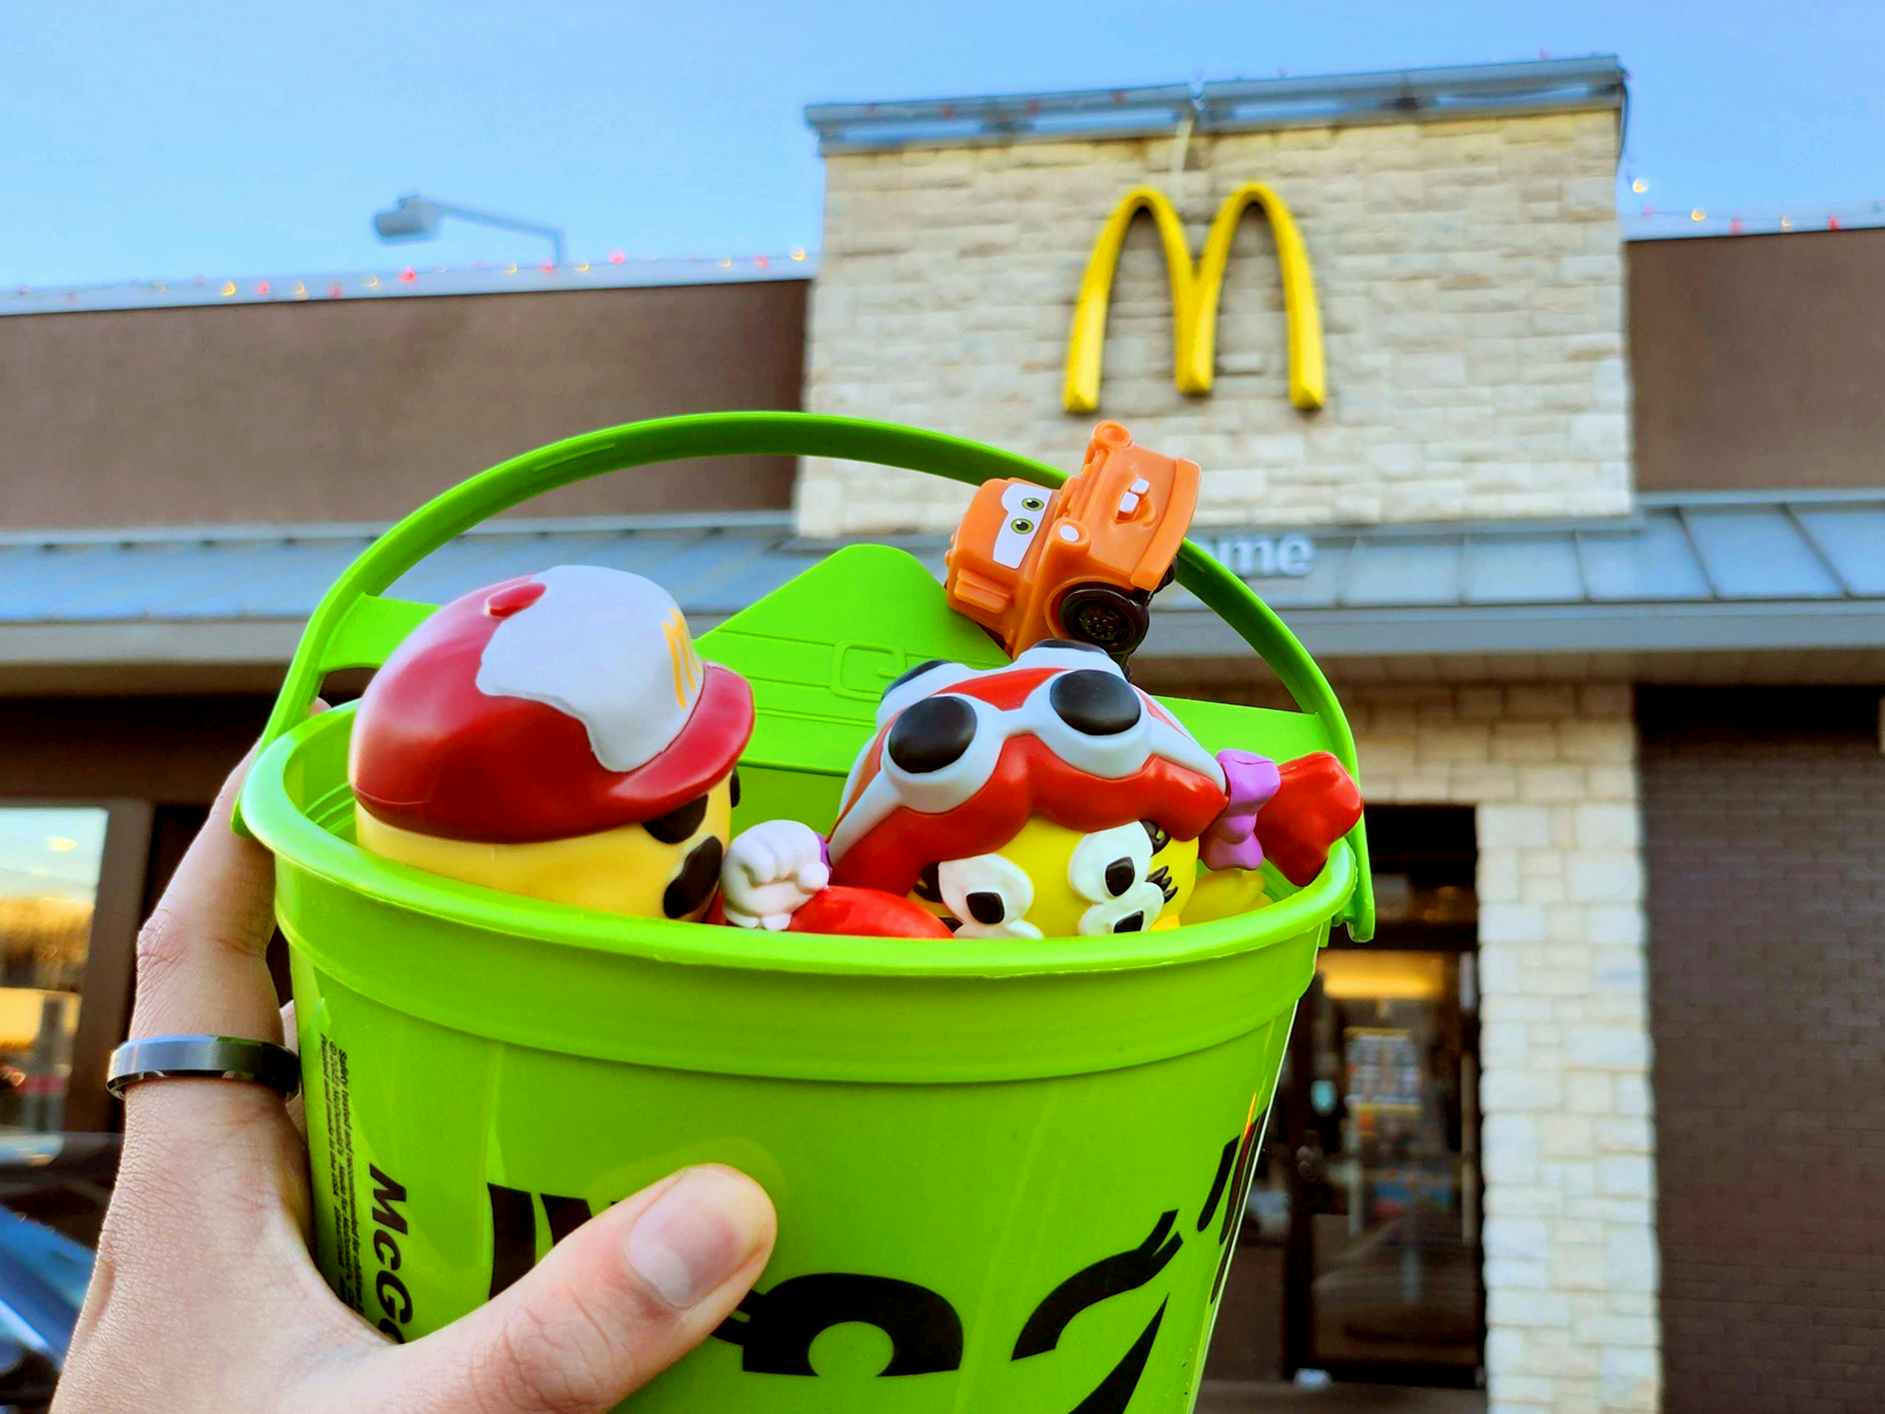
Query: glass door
[[1374, 1165], [1385, 1222]]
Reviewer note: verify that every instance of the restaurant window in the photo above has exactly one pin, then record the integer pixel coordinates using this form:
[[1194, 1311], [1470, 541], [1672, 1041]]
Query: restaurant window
[[50, 862]]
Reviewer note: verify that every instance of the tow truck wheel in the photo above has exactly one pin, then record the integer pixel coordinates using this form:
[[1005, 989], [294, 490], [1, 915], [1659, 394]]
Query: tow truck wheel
[[1108, 618]]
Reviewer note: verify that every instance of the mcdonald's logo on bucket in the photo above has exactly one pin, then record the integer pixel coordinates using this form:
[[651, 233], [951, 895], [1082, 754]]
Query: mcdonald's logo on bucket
[[1195, 293]]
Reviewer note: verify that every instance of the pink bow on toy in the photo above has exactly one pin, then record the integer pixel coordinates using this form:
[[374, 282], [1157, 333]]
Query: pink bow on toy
[[1231, 842]]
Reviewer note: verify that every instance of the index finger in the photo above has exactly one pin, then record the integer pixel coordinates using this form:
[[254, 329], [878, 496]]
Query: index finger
[[207, 1147], [201, 955]]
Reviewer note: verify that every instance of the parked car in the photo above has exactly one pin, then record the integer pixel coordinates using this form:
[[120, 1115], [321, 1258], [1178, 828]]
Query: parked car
[[53, 1193]]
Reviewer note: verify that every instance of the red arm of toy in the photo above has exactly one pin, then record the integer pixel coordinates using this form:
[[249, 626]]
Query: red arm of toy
[[866, 913], [1316, 804]]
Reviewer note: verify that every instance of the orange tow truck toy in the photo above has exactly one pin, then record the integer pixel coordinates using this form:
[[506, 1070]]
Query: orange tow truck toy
[[1079, 563]]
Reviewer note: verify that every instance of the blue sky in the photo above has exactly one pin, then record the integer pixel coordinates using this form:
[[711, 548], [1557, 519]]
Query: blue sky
[[229, 139]]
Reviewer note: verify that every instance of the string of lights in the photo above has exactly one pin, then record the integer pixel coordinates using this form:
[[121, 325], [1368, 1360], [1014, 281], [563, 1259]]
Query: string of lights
[[1654, 219], [616, 269], [1651, 220]]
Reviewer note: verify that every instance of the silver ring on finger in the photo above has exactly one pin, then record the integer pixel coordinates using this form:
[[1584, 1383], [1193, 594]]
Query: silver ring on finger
[[204, 1058]]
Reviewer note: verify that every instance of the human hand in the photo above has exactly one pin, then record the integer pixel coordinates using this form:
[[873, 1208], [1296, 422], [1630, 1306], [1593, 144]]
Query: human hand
[[771, 871], [204, 1295]]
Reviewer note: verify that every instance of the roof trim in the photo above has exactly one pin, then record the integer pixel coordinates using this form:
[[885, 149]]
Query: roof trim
[[279, 533], [1549, 629], [1735, 574], [406, 282], [1794, 496], [198, 643], [1589, 84]]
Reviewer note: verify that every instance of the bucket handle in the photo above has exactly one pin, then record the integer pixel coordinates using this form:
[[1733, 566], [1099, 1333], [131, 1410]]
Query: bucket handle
[[356, 626]]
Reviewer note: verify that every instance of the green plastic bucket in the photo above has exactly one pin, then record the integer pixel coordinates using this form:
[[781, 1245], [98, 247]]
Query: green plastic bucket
[[1008, 1174]]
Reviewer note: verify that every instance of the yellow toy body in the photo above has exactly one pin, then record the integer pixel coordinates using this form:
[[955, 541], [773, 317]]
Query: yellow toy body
[[555, 735], [1223, 893], [1059, 896], [623, 870], [1067, 900]]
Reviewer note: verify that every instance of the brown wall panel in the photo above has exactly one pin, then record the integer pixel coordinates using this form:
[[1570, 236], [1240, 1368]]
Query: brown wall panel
[[1765, 823], [157, 761], [1756, 361], [167, 750], [356, 410]]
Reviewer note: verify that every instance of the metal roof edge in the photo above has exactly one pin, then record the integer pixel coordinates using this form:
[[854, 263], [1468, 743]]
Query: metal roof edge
[[1749, 572], [319, 288], [1778, 496], [172, 643], [1662, 227], [1236, 105], [782, 521], [1545, 629]]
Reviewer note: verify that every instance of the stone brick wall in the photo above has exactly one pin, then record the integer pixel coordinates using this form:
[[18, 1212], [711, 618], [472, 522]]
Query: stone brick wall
[[1766, 834], [1471, 285], [1568, 1145]]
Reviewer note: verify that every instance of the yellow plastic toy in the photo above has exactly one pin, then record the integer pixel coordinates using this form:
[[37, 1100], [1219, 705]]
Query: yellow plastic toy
[[1052, 798], [498, 746]]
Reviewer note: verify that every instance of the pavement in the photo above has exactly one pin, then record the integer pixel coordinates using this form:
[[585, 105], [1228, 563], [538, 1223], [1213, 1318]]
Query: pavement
[[1223, 1397]]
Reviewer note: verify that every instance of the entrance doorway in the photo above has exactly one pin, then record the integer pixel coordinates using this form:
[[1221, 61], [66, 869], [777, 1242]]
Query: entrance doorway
[[1369, 1190]]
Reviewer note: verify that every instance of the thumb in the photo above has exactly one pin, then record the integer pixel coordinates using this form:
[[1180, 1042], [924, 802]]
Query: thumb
[[612, 1306]]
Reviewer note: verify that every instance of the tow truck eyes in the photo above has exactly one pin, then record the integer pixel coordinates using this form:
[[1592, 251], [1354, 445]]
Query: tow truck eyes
[[1031, 508], [1022, 506]]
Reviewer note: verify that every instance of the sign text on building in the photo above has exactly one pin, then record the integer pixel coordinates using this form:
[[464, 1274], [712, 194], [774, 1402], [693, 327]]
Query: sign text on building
[[1263, 556]]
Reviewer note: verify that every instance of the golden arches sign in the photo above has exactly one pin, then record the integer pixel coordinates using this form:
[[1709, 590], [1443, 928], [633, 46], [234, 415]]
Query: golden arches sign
[[1195, 293]]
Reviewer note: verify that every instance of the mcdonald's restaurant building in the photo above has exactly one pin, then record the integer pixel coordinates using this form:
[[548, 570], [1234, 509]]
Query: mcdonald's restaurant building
[[1589, 532]]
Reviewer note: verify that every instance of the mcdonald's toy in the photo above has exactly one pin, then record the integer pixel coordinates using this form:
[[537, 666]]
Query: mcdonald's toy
[[1079, 563], [1052, 798], [483, 1071], [556, 735]]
